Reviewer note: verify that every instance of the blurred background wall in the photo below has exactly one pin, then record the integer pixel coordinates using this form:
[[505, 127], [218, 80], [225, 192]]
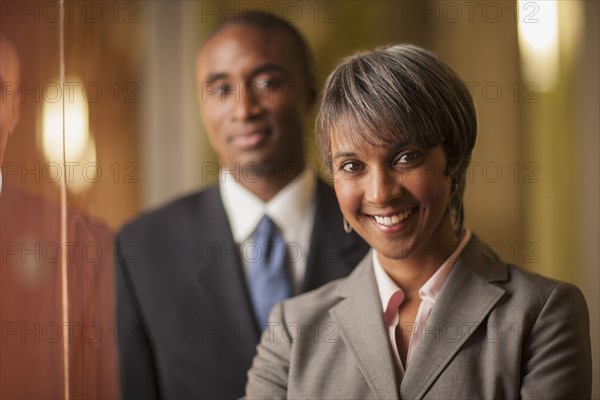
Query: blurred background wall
[[532, 68]]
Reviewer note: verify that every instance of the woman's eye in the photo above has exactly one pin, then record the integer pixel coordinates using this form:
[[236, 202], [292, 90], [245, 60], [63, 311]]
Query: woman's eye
[[409, 158], [350, 166]]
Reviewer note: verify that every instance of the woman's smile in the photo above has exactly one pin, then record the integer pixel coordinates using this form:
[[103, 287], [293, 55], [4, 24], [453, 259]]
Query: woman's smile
[[394, 221]]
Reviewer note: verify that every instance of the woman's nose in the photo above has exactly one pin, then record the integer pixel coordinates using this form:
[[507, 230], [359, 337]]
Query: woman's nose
[[383, 187]]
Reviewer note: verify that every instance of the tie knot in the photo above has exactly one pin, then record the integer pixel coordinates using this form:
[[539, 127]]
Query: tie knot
[[265, 227], [268, 243]]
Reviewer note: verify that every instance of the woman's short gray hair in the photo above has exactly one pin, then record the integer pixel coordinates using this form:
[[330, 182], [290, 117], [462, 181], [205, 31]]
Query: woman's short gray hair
[[401, 94]]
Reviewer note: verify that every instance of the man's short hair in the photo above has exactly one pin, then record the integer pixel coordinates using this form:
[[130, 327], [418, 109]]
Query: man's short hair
[[266, 21]]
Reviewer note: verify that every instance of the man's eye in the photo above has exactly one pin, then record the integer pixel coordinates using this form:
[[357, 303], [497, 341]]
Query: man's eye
[[222, 89], [267, 83]]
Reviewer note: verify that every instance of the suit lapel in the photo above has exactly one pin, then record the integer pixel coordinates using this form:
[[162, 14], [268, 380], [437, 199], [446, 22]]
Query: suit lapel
[[465, 301], [218, 265], [333, 253], [360, 319]]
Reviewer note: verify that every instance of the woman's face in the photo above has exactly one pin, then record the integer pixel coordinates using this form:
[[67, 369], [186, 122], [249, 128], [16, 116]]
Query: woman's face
[[396, 198]]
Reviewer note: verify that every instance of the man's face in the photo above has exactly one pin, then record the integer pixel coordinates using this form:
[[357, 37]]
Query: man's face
[[9, 102], [253, 97]]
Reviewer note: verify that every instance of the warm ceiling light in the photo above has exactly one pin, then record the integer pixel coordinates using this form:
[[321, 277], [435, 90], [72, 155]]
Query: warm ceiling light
[[538, 42], [80, 149]]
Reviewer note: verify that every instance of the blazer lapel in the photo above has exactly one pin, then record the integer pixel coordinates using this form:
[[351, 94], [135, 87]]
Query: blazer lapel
[[333, 253], [218, 272], [465, 301], [360, 319]]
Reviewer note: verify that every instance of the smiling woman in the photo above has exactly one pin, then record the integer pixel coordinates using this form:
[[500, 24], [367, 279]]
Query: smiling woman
[[400, 150], [431, 312]]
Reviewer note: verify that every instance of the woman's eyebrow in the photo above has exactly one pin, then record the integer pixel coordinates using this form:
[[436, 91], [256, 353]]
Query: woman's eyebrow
[[400, 145], [340, 154], [392, 146]]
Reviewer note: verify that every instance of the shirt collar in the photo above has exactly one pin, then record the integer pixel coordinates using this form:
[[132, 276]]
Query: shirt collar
[[387, 287], [434, 285], [430, 290], [287, 209]]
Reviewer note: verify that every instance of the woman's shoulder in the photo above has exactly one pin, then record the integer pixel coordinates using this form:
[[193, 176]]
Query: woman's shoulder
[[543, 292], [526, 278], [523, 287]]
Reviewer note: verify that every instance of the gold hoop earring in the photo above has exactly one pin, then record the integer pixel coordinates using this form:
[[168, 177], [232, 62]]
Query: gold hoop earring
[[347, 227]]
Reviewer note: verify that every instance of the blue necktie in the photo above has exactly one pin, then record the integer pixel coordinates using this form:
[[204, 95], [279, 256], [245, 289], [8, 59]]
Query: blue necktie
[[267, 274]]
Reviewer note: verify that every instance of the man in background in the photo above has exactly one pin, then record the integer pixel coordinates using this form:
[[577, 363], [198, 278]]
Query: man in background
[[197, 278]]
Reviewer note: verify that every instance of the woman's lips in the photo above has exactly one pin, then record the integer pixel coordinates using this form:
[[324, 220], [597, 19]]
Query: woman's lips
[[393, 222]]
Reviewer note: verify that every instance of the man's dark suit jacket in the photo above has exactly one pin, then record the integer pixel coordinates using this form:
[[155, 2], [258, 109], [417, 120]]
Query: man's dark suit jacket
[[186, 324]]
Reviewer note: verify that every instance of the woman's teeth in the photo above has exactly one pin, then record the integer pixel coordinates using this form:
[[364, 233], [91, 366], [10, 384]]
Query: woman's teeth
[[394, 219]]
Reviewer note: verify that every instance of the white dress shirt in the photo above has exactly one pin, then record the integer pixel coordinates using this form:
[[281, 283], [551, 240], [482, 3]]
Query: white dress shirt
[[392, 297], [292, 210]]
